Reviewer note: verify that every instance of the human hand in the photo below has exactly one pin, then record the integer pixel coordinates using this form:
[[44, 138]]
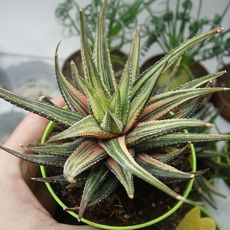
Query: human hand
[[20, 208]]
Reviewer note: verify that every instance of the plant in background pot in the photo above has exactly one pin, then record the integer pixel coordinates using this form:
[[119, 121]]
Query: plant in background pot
[[121, 21], [119, 134], [175, 24]]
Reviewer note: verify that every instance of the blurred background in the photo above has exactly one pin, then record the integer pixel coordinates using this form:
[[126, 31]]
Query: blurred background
[[29, 35]]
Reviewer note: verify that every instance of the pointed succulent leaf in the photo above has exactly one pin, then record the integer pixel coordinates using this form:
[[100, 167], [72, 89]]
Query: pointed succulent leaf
[[165, 102], [181, 138], [134, 55], [88, 154], [98, 104], [94, 181], [102, 55], [54, 113], [146, 130], [61, 149], [197, 82], [170, 155], [39, 159], [75, 76], [60, 179], [45, 99], [160, 169], [104, 191], [111, 123], [169, 59], [116, 104], [91, 73], [124, 176], [117, 149], [73, 98], [87, 127]]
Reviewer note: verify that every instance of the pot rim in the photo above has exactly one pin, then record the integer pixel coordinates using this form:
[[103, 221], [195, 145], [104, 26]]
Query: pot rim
[[188, 189]]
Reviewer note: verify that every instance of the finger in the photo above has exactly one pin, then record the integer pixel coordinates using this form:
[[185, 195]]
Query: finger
[[72, 227]]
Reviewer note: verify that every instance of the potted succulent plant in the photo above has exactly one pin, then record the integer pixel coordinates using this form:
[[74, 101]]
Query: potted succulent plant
[[119, 132], [121, 18], [175, 24]]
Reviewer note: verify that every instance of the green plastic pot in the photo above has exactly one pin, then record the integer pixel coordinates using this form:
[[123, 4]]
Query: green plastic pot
[[188, 189]]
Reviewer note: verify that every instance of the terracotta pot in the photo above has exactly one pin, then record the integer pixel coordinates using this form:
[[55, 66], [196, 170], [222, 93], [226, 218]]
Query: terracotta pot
[[222, 100]]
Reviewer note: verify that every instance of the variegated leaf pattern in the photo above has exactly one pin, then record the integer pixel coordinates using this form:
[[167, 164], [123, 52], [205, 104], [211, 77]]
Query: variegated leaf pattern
[[181, 138], [73, 98], [39, 159], [161, 170], [87, 127], [88, 154], [51, 112], [151, 129], [116, 148], [101, 54], [76, 77], [123, 175]]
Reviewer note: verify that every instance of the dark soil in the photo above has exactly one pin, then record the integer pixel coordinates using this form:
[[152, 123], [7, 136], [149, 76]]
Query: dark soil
[[119, 210]]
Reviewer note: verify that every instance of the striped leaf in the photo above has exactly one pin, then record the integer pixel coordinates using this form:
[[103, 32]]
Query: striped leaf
[[88, 154], [102, 55], [98, 104], [51, 112], [161, 170], [117, 149], [146, 130], [60, 149], [111, 123], [170, 155], [144, 85], [180, 138], [197, 82], [90, 70], [60, 179], [75, 76], [94, 181], [73, 98], [104, 191], [87, 127], [39, 159], [165, 102], [124, 176], [169, 59]]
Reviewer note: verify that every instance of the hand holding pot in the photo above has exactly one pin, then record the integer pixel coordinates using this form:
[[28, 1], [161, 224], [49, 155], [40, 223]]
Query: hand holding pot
[[22, 199]]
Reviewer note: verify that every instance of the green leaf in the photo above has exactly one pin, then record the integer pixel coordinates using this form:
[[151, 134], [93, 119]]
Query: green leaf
[[39, 159], [180, 138], [94, 181], [102, 55], [73, 98], [111, 123], [124, 176], [104, 191], [116, 148], [60, 149], [197, 82], [60, 179], [88, 154], [161, 104], [146, 130], [75, 76], [87, 127], [193, 220], [91, 73], [51, 112], [160, 169], [98, 105]]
